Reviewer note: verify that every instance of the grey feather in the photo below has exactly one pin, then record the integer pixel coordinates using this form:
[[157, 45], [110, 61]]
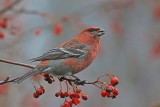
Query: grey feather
[[25, 76], [60, 53]]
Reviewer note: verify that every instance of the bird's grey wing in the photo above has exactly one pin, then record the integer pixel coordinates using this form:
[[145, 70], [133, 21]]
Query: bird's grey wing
[[60, 53]]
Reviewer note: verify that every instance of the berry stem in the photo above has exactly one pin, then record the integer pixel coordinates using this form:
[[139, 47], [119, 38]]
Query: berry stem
[[67, 85], [97, 86], [60, 85], [34, 85], [39, 83]]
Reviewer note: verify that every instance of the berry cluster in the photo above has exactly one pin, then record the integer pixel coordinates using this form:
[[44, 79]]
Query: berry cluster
[[3, 24], [74, 97], [9, 25], [39, 92], [110, 91], [48, 78]]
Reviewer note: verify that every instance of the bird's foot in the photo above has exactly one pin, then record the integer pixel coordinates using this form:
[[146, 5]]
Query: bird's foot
[[69, 80], [76, 78], [77, 81], [80, 82]]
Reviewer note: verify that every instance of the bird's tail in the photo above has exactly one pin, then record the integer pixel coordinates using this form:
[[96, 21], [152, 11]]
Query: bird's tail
[[25, 76]]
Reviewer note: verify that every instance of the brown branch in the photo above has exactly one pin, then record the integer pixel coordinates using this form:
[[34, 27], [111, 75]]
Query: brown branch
[[2, 11], [7, 81], [35, 12], [17, 63]]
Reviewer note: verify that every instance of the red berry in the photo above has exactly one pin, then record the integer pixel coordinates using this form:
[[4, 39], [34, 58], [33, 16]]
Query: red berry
[[66, 94], [108, 94], [62, 95], [84, 97], [115, 91], [78, 90], [103, 93], [62, 105], [114, 81], [157, 12], [69, 102], [42, 88], [66, 104], [35, 95], [37, 32], [73, 101], [46, 75], [50, 81], [58, 29], [3, 23], [71, 95], [39, 91], [2, 35], [64, 18], [77, 95], [57, 94], [76, 101], [109, 88]]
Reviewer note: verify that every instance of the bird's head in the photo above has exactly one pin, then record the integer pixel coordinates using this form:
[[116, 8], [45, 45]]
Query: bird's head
[[90, 35], [95, 31]]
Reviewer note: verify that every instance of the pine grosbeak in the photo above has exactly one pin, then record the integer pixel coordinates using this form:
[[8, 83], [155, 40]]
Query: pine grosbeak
[[70, 57]]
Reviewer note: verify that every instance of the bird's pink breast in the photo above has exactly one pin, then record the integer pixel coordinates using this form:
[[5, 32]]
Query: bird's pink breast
[[79, 64]]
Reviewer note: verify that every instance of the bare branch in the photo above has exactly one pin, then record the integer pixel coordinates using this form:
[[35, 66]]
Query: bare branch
[[7, 81], [5, 9], [17, 63]]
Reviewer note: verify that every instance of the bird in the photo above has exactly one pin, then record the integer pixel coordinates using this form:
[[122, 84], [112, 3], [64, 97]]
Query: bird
[[70, 57]]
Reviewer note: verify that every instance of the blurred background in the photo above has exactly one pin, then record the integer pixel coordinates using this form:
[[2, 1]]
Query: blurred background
[[130, 49]]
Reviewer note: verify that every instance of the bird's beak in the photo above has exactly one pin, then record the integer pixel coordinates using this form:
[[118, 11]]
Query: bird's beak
[[101, 32]]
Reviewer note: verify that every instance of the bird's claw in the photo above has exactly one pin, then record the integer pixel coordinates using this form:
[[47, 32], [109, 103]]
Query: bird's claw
[[80, 82], [61, 79], [77, 81]]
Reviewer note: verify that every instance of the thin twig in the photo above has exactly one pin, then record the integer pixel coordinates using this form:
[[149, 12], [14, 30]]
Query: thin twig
[[35, 12], [7, 81], [17, 63], [34, 85], [97, 86], [5, 9]]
